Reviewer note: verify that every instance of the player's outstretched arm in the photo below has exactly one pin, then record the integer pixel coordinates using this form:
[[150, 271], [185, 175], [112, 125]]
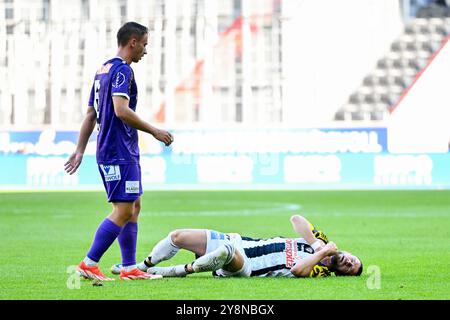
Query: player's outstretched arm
[[303, 227], [304, 267], [87, 126], [124, 113]]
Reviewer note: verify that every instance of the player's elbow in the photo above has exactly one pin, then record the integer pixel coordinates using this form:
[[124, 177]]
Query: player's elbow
[[300, 220], [304, 272], [120, 113], [92, 119], [91, 115], [301, 272], [120, 107]]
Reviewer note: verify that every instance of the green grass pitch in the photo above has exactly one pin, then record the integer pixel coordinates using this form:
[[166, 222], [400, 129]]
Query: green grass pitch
[[402, 238]]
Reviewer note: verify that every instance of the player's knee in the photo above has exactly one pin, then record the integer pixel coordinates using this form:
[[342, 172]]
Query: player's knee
[[123, 211], [177, 237]]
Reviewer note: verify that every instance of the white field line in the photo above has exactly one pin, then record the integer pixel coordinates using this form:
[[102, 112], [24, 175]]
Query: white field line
[[257, 208]]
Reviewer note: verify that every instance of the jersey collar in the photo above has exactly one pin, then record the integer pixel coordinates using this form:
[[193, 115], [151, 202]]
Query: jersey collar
[[117, 57]]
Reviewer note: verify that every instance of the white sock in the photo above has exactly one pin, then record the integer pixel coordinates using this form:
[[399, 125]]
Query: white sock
[[129, 268], [172, 271], [89, 262], [164, 250], [214, 260], [142, 266]]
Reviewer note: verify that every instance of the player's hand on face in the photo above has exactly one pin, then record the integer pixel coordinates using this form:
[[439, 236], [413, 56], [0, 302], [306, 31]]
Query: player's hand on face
[[73, 162], [164, 136], [330, 248]]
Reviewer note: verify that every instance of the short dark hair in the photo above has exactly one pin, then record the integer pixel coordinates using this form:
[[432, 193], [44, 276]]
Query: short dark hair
[[128, 30], [360, 270]]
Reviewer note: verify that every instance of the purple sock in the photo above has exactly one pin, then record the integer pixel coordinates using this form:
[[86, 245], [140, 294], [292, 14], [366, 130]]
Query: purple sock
[[127, 241], [106, 233]]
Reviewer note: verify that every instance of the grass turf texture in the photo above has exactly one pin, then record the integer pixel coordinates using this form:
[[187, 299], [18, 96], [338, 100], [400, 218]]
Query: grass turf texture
[[403, 233]]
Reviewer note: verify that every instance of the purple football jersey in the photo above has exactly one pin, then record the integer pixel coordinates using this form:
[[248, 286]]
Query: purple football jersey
[[117, 143]]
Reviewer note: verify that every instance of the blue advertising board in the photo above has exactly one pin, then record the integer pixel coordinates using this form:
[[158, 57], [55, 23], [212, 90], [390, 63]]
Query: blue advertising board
[[239, 159]]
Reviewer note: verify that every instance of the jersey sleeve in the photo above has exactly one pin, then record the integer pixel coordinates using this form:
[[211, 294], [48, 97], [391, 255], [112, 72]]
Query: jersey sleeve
[[319, 271], [121, 82]]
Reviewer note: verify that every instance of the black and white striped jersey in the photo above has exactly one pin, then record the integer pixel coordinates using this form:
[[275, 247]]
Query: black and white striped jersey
[[274, 257]]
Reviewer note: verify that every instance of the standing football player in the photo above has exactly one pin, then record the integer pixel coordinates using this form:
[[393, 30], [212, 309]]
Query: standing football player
[[112, 106]]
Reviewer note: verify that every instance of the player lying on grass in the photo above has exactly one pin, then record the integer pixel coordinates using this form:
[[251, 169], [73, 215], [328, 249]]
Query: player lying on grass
[[230, 254]]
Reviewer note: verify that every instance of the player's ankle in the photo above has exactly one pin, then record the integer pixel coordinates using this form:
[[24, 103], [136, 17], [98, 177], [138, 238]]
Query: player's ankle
[[129, 268], [89, 262], [188, 268], [148, 262]]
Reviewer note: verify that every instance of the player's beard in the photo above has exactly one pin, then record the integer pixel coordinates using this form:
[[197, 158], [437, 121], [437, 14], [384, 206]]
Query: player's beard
[[138, 57]]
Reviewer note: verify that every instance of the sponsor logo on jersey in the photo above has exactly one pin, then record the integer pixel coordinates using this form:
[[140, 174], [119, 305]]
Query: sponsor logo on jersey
[[132, 186], [111, 173], [105, 69], [291, 252], [119, 81]]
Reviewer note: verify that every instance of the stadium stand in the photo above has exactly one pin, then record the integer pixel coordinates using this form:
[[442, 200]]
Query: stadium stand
[[397, 69]]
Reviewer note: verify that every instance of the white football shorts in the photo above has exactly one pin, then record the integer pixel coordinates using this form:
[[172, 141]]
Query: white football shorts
[[215, 239]]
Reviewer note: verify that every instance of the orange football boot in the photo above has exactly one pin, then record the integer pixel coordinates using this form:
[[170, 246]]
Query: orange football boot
[[136, 274], [92, 273]]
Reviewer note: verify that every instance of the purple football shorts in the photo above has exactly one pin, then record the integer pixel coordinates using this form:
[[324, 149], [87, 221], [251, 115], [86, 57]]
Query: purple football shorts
[[122, 181]]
